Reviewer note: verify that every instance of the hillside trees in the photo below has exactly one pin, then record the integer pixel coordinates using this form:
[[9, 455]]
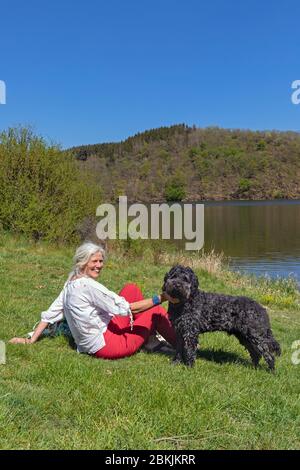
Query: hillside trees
[[213, 163]]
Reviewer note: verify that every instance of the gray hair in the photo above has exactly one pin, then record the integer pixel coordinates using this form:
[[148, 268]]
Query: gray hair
[[82, 256]]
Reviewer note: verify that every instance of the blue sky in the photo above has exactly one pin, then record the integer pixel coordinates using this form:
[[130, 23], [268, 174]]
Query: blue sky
[[99, 71]]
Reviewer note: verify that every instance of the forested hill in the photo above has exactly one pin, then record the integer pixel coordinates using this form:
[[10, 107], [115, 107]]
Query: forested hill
[[189, 163]]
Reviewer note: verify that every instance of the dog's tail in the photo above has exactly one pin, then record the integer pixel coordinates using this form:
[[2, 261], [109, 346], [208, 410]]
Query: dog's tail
[[273, 344]]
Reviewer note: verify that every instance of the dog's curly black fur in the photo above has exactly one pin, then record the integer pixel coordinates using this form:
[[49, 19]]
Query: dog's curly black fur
[[200, 312]]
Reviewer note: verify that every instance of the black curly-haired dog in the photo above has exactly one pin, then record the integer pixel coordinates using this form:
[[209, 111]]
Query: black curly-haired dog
[[200, 312]]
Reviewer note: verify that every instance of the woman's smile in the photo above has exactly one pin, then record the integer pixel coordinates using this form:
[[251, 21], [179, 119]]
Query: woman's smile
[[94, 265]]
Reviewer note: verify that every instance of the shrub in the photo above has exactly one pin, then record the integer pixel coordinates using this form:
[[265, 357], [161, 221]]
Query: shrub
[[244, 185], [42, 192], [261, 145], [277, 194], [175, 190]]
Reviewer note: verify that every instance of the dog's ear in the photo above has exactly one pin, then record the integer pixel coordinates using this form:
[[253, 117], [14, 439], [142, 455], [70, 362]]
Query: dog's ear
[[194, 280], [171, 272], [168, 274]]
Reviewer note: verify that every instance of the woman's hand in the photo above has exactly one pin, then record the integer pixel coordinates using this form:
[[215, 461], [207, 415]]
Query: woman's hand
[[37, 333], [20, 341], [145, 304]]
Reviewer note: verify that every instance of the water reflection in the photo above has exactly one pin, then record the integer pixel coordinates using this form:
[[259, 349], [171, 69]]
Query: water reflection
[[259, 237]]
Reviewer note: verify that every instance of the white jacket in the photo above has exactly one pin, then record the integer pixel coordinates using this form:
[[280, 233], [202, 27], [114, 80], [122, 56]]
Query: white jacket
[[88, 308]]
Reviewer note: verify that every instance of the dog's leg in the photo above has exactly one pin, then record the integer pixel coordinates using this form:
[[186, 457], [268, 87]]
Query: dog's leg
[[179, 348], [254, 354], [261, 346], [190, 343]]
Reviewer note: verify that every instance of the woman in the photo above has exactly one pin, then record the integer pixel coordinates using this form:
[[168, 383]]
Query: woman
[[99, 319]]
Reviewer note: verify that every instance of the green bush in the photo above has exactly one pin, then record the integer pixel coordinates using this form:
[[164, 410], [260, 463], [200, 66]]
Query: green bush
[[261, 145], [42, 192], [175, 190], [244, 185], [277, 194]]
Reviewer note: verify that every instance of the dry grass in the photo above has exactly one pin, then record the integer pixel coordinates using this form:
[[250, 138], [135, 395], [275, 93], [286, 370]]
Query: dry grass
[[212, 262]]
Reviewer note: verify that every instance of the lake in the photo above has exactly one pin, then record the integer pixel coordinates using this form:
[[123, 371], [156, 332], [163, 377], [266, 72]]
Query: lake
[[260, 237]]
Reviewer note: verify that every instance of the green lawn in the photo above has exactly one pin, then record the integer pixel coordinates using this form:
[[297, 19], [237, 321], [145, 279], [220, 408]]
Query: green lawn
[[53, 398]]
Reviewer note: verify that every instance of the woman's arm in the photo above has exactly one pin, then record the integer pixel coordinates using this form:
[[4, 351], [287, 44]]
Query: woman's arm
[[145, 304], [37, 333], [112, 303], [52, 315]]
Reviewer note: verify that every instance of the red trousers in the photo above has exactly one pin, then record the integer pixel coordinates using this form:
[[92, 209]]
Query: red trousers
[[121, 341]]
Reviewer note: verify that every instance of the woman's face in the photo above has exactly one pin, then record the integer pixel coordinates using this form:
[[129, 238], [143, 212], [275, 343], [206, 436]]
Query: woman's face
[[94, 265]]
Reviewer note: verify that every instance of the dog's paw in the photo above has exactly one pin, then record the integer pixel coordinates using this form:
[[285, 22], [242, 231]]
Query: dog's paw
[[175, 361], [189, 364]]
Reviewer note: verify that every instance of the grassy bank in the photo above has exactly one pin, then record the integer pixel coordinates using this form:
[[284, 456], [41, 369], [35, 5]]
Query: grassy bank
[[51, 397]]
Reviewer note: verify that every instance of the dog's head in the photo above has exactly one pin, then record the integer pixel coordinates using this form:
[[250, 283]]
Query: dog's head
[[180, 283]]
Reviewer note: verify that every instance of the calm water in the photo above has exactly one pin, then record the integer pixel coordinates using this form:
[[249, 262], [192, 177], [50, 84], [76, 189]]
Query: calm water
[[260, 237]]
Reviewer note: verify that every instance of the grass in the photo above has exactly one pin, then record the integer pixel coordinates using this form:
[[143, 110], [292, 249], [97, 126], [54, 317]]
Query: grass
[[53, 398]]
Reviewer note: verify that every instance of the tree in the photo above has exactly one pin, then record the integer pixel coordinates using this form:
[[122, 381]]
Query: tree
[[42, 192]]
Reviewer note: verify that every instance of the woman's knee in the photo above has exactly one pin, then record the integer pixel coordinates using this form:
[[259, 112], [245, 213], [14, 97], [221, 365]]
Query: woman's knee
[[131, 292]]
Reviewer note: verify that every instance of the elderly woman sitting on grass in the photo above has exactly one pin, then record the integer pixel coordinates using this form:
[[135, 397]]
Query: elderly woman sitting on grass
[[102, 323]]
